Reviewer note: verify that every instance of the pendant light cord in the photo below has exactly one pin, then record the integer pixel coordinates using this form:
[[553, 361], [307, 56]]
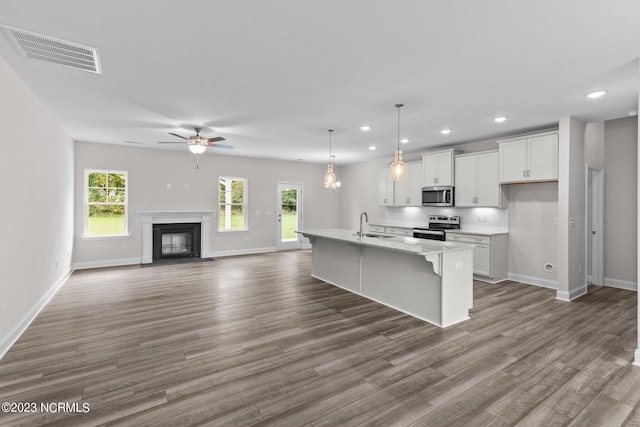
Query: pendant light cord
[[330, 158], [398, 107]]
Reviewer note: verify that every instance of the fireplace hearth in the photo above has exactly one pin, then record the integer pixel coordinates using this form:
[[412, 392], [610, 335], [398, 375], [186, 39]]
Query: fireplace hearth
[[176, 241]]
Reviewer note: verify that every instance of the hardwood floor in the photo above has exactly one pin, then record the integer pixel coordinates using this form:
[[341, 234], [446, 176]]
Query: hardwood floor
[[254, 340]]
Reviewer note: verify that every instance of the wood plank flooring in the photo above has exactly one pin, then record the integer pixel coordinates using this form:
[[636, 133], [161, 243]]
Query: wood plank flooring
[[254, 340]]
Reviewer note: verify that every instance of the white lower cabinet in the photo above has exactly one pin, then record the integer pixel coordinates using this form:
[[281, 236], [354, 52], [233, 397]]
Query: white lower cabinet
[[490, 254]]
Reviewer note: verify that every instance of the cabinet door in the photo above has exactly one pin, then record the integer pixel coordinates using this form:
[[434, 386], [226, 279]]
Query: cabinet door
[[402, 196], [482, 260], [513, 161], [385, 187], [543, 158], [430, 170], [415, 190], [445, 168], [488, 174], [465, 190]]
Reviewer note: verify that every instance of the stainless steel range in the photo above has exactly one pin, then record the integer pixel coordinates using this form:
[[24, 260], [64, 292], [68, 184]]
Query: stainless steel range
[[438, 224]]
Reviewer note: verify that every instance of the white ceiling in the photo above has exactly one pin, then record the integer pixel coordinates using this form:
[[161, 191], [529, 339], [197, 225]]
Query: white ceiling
[[272, 76]]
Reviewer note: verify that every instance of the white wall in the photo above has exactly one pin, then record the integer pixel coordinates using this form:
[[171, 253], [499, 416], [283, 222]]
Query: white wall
[[149, 172], [620, 228], [36, 169], [533, 232]]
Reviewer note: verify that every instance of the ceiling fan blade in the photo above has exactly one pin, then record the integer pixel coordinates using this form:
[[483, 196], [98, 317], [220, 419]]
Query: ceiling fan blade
[[171, 142], [179, 136], [216, 139], [225, 147]]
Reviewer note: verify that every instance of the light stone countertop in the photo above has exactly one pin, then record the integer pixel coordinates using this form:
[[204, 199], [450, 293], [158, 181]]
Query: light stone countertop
[[480, 231], [396, 243]]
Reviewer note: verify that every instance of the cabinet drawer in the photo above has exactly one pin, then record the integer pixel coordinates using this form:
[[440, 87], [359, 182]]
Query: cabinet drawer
[[400, 231], [376, 229], [468, 238]]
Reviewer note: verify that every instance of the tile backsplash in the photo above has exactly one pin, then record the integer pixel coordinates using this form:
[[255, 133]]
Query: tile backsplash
[[469, 217]]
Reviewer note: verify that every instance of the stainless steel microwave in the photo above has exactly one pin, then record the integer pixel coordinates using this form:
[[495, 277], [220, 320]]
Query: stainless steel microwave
[[437, 196]]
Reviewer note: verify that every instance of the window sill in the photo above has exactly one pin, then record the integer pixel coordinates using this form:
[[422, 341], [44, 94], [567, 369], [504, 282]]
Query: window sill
[[106, 237], [234, 231]]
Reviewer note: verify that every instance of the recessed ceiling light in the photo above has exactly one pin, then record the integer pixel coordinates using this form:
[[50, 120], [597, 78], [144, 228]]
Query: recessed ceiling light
[[404, 140], [372, 147], [445, 131], [596, 94], [500, 119], [365, 128]]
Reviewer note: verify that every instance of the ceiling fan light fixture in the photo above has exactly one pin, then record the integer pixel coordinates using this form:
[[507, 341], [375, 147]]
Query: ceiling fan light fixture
[[197, 148]]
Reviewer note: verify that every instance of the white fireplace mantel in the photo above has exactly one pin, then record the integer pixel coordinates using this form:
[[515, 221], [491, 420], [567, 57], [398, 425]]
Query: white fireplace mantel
[[173, 217]]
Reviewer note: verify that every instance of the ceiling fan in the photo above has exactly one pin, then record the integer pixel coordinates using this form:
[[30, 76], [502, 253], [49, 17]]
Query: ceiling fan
[[197, 143]]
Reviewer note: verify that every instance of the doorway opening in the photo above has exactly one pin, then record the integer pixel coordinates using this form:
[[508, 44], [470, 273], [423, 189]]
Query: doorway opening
[[289, 216], [594, 225]]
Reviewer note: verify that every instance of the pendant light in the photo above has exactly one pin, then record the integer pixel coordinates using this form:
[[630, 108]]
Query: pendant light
[[398, 167], [330, 176]]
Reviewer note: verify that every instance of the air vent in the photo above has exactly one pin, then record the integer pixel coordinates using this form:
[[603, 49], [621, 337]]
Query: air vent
[[57, 51]]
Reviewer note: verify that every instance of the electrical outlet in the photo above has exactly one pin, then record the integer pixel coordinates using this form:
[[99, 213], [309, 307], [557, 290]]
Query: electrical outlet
[[186, 187], [56, 264]]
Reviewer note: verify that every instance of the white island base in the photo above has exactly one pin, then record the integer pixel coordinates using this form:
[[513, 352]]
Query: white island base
[[430, 281]]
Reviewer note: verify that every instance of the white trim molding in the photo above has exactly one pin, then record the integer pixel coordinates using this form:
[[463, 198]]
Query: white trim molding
[[234, 252], [173, 217], [530, 280], [84, 265], [620, 284], [10, 339], [636, 360], [572, 294]]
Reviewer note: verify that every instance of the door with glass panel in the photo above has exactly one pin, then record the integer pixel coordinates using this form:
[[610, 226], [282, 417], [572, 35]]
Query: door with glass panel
[[289, 216]]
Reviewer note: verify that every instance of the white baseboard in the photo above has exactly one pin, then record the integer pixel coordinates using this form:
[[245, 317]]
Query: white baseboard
[[234, 252], [536, 281], [573, 294], [10, 339], [620, 284], [106, 263]]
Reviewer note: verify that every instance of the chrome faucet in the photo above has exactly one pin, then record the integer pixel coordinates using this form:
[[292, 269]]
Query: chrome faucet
[[366, 218]]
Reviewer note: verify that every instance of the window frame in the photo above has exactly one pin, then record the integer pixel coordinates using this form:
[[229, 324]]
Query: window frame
[[244, 204], [86, 203]]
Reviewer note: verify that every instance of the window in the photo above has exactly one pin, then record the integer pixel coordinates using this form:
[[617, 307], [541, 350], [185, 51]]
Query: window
[[105, 203], [232, 199]]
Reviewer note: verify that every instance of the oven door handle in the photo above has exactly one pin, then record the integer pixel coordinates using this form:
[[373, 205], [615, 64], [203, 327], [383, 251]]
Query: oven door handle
[[433, 233]]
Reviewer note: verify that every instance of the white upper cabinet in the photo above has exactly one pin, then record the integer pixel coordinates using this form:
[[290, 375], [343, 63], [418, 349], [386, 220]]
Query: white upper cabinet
[[529, 158], [409, 189], [477, 178], [385, 187], [437, 168]]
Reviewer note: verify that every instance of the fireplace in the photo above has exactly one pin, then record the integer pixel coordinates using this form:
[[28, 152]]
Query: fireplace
[[176, 241], [152, 218]]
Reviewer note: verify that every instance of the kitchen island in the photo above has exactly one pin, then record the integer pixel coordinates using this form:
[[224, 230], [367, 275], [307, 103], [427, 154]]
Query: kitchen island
[[430, 280]]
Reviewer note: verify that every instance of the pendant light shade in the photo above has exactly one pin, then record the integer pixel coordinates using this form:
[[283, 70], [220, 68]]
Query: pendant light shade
[[398, 169], [329, 176]]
